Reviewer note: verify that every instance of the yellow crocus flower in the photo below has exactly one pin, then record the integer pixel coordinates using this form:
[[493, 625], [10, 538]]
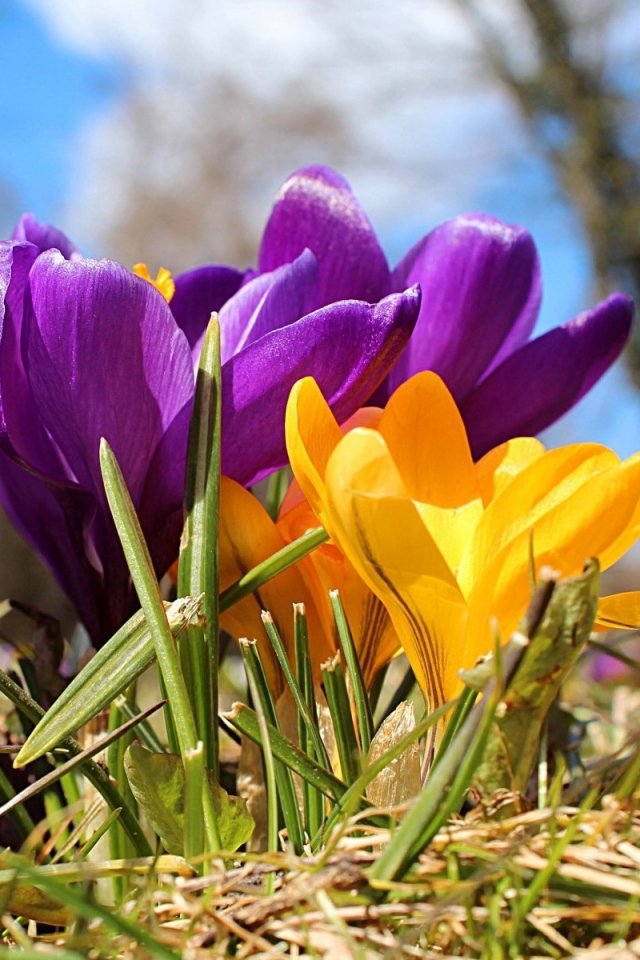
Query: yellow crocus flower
[[248, 536], [445, 543]]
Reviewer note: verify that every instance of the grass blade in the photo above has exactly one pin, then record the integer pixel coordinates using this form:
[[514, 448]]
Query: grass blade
[[245, 720], [360, 695], [304, 713], [265, 708], [273, 565], [43, 782], [314, 801], [94, 773], [198, 569], [148, 590], [335, 687], [117, 664]]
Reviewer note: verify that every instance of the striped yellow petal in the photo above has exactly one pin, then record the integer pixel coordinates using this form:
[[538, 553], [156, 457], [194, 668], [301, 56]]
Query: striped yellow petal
[[327, 568], [247, 537], [601, 518], [380, 530], [619, 611]]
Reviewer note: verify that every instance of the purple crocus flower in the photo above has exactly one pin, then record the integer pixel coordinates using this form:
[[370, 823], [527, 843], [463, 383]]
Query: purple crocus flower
[[89, 350], [320, 303], [481, 291]]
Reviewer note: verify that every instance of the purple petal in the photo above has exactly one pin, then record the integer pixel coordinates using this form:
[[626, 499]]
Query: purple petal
[[163, 494], [538, 383], [348, 347], [105, 358], [271, 301], [44, 236], [21, 430], [198, 294], [480, 281], [316, 210], [54, 525]]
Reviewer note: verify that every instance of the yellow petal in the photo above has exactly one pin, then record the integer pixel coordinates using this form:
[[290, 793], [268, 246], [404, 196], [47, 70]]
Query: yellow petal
[[428, 442], [327, 568], [247, 537], [364, 417], [601, 518], [379, 528], [427, 439], [532, 493], [499, 466], [619, 611], [311, 433]]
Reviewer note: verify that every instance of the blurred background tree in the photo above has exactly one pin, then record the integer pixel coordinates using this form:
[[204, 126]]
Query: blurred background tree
[[577, 92]]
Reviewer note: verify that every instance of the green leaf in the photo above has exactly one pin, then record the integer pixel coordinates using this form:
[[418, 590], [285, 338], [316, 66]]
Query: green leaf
[[198, 570], [556, 640], [157, 782], [122, 659], [37, 905]]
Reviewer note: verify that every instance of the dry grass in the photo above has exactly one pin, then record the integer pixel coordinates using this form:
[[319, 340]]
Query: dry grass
[[468, 896]]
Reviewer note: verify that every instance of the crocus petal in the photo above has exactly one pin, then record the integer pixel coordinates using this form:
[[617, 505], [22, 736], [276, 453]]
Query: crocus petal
[[547, 481], [248, 536], [546, 377], [480, 281], [499, 466], [347, 347], [58, 537], [619, 611], [271, 301], [316, 210], [326, 569], [44, 236], [600, 518], [312, 434], [121, 370], [426, 436], [198, 294], [163, 493], [378, 526]]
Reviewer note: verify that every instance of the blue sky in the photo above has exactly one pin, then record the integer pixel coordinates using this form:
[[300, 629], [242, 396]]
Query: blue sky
[[48, 95], [52, 90]]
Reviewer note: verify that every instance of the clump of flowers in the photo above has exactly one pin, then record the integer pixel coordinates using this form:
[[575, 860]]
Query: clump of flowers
[[89, 349]]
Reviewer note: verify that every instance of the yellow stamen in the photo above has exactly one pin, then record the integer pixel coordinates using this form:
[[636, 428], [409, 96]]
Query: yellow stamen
[[163, 281]]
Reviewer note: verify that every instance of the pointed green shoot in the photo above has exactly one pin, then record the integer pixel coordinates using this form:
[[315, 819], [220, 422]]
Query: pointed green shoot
[[335, 687], [148, 590], [265, 707], [198, 569], [360, 695]]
